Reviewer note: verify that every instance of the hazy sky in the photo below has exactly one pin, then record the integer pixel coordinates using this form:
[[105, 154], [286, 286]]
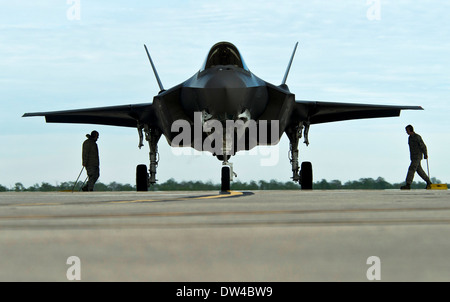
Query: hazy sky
[[58, 55]]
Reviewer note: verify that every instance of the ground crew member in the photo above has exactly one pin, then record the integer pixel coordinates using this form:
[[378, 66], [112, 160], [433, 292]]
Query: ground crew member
[[91, 160], [417, 150]]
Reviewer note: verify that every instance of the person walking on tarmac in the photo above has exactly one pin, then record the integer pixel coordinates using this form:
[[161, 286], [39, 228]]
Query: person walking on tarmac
[[91, 160], [417, 150]]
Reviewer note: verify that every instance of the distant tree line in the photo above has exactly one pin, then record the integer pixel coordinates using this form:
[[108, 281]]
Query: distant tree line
[[173, 185]]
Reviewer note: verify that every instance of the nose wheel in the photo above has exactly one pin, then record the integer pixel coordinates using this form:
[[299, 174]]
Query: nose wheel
[[225, 179]]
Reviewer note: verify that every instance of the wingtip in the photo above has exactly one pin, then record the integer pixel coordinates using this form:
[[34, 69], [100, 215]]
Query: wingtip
[[32, 114]]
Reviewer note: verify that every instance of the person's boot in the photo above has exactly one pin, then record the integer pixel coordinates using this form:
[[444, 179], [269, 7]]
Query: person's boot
[[406, 187]]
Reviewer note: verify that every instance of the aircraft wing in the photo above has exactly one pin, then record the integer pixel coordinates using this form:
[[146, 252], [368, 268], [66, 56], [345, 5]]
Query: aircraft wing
[[326, 112], [124, 116]]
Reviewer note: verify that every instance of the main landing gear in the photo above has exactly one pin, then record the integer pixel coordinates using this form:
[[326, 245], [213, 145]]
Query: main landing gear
[[305, 176], [143, 178]]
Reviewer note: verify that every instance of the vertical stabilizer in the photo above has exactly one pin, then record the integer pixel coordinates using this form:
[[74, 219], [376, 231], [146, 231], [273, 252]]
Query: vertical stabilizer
[[289, 65], [154, 69]]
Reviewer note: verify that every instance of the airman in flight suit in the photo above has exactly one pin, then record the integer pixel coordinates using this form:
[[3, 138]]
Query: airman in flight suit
[[417, 150], [91, 160]]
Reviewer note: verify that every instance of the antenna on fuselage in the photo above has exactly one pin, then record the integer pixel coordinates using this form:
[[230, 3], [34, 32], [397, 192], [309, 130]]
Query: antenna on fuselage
[[154, 69], [289, 65]]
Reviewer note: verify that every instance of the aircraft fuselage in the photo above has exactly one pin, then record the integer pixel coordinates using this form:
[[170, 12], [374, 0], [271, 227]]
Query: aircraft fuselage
[[225, 92]]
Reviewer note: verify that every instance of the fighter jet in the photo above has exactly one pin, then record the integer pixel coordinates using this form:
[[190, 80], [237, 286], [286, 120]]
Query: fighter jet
[[223, 109]]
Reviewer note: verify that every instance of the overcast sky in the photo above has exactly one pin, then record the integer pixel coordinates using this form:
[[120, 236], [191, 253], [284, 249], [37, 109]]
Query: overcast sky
[[58, 55]]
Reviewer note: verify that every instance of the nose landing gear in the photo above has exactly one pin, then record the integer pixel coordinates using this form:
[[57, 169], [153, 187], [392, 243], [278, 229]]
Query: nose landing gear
[[226, 177]]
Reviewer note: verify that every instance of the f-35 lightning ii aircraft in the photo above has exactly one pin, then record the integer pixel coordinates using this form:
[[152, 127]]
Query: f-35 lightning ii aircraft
[[243, 110]]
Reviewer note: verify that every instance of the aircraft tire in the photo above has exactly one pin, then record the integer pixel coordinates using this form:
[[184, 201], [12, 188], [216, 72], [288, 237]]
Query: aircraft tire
[[225, 180], [306, 176], [141, 178]]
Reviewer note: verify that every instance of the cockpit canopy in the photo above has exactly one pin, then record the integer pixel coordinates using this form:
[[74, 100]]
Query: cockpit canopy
[[224, 53]]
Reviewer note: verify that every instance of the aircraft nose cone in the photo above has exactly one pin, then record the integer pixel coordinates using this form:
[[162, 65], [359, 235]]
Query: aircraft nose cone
[[225, 77], [225, 94]]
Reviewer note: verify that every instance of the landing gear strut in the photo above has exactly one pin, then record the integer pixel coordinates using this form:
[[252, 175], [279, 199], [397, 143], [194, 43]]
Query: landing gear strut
[[305, 176], [143, 178], [227, 173]]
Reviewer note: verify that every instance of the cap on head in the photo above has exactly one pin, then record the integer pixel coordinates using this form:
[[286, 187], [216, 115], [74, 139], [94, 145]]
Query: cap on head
[[94, 134]]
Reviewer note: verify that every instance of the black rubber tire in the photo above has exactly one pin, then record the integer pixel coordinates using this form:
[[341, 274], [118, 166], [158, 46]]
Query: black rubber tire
[[225, 180], [141, 178], [306, 176]]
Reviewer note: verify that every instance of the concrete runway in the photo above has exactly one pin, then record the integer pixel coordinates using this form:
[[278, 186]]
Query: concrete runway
[[243, 236]]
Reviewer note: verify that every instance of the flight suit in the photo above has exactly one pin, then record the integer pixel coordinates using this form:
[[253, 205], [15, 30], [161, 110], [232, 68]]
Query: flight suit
[[92, 163], [417, 150]]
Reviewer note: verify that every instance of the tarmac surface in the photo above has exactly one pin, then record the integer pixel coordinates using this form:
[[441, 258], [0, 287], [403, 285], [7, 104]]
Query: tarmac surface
[[268, 236]]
